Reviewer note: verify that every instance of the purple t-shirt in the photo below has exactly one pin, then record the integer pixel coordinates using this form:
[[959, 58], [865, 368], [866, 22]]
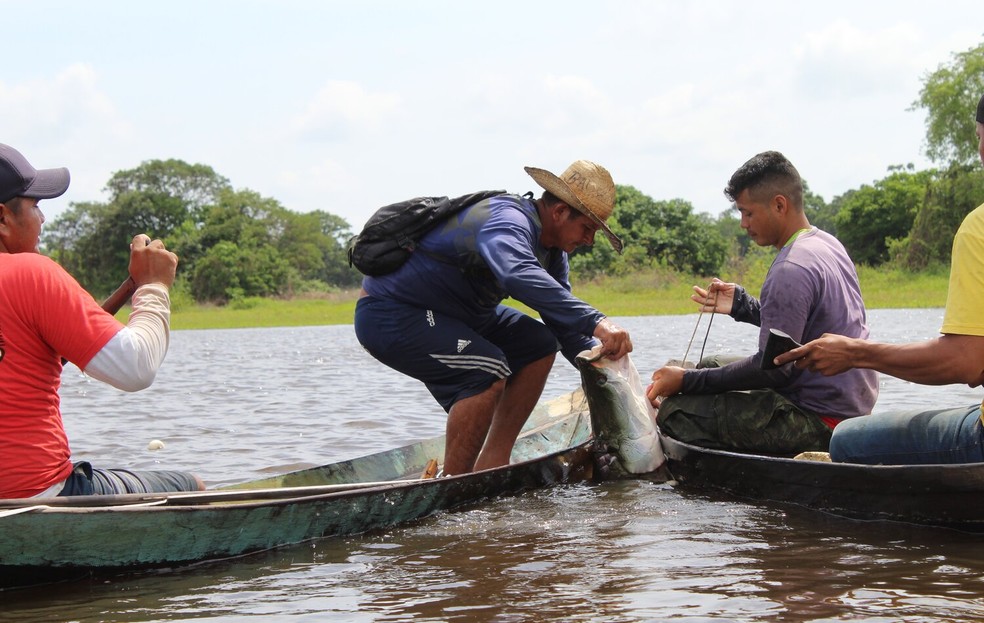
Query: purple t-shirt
[[491, 250], [811, 289]]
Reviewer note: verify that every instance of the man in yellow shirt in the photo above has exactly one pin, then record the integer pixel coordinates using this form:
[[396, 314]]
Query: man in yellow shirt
[[940, 436]]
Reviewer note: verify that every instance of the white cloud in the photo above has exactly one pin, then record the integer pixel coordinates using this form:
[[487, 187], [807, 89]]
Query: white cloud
[[584, 106], [341, 109], [842, 61], [313, 187], [68, 115], [66, 120]]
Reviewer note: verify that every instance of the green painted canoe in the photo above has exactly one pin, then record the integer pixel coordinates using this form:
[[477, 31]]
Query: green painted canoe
[[45, 540]]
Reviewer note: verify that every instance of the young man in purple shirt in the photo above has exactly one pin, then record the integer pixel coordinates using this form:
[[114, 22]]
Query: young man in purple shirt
[[439, 317], [811, 289]]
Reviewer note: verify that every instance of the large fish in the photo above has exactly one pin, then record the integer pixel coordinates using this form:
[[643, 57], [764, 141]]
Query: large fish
[[621, 415]]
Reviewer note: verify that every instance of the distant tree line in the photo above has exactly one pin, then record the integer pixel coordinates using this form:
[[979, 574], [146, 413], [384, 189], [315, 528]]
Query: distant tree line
[[230, 243], [909, 217], [235, 243]]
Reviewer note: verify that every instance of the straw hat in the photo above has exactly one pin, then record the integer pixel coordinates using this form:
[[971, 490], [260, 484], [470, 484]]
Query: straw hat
[[585, 186]]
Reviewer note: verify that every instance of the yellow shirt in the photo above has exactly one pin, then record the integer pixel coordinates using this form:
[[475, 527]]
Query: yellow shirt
[[964, 313]]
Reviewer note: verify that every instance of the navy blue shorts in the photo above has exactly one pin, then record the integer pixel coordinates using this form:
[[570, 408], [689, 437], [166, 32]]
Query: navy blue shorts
[[84, 480], [453, 359]]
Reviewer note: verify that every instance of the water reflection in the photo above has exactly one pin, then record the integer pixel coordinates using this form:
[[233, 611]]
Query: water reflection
[[621, 551]]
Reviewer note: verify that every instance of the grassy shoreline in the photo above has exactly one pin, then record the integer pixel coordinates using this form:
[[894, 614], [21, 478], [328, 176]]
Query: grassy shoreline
[[640, 294]]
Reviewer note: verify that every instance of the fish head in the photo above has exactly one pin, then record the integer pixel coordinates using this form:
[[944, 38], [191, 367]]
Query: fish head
[[622, 417]]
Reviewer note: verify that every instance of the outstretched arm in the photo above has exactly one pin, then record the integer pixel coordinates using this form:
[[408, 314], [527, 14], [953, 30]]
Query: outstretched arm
[[947, 359]]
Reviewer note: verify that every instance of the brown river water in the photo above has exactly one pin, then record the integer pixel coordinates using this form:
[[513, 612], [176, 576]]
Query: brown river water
[[234, 405]]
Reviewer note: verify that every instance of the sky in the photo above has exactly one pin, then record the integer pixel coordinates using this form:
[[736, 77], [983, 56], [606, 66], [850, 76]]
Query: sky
[[348, 106]]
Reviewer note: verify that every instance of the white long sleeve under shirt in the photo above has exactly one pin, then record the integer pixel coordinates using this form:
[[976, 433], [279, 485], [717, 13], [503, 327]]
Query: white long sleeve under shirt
[[130, 360]]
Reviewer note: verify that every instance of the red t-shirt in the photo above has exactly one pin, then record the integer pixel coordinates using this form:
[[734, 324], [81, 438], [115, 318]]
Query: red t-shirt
[[44, 315]]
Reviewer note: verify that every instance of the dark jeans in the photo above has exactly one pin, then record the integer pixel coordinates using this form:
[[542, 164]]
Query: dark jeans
[[911, 437], [84, 480]]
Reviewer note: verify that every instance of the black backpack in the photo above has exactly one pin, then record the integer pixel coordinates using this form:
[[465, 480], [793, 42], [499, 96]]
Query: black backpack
[[392, 233]]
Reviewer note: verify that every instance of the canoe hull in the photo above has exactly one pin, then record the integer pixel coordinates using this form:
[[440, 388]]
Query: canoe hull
[[139, 538], [948, 496], [54, 539]]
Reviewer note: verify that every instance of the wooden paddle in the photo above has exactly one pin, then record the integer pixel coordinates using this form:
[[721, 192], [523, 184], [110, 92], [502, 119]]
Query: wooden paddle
[[115, 301]]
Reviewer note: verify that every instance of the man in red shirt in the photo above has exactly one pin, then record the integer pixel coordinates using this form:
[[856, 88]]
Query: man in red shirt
[[46, 315]]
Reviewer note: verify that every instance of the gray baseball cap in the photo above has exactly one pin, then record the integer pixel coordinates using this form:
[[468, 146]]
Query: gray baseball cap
[[19, 179]]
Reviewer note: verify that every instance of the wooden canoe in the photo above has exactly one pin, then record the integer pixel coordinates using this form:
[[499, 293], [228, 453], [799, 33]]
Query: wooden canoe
[[948, 496], [45, 540]]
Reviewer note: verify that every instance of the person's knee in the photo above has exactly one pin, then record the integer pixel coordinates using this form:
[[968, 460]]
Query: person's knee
[[843, 440], [544, 364], [496, 388], [490, 394]]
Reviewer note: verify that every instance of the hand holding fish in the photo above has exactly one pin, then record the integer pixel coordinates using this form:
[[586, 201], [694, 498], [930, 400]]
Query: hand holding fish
[[719, 297], [667, 381], [615, 342]]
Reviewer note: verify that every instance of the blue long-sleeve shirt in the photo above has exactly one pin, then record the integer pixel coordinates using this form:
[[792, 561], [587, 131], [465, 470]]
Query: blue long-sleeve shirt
[[487, 252]]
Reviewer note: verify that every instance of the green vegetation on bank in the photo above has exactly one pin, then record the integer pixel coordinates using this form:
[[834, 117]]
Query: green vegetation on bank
[[901, 289], [266, 312], [639, 294]]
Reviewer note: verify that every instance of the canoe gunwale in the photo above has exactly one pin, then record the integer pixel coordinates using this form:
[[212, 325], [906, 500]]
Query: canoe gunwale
[[252, 498], [927, 470], [937, 495]]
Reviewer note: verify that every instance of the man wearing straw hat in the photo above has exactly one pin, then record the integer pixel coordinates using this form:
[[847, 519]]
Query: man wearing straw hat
[[439, 318], [811, 289]]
